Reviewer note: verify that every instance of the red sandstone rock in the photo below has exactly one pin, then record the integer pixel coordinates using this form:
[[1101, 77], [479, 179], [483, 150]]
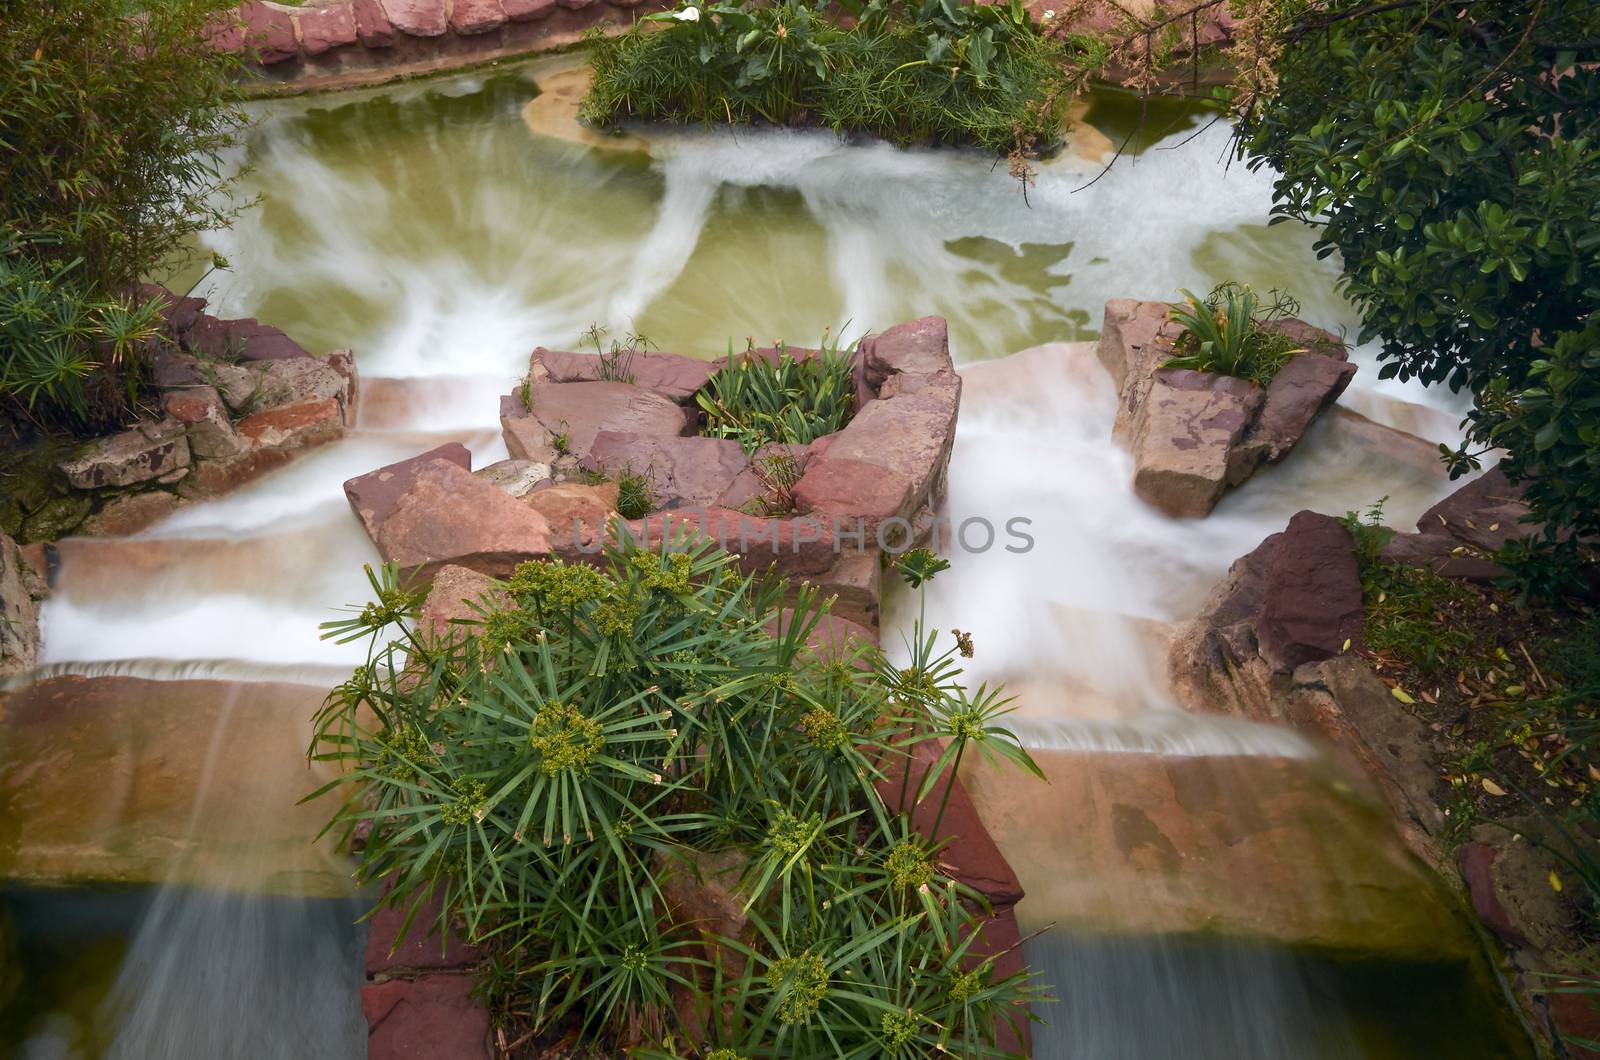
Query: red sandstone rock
[[211, 433], [420, 950], [920, 347], [1312, 604], [469, 17], [684, 472], [1439, 554], [910, 434], [764, 479], [579, 411], [223, 31], [1487, 512], [296, 426], [372, 496], [845, 487], [432, 1018], [458, 595], [268, 30], [1476, 861], [1302, 388], [675, 376], [373, 29], [245, 340], [322, 28], [527, 10], [418, 18], [577, 514], [447, 516]]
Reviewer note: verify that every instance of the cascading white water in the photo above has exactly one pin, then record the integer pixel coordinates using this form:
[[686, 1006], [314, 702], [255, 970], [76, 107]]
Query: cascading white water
[[427, 229]]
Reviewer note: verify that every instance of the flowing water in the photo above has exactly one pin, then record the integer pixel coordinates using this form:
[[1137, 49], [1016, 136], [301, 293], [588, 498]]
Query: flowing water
[[434, 231]]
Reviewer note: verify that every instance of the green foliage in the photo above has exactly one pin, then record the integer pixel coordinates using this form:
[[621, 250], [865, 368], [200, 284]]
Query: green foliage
[[1448, 157], [783, 398], [1231, 333], [634, 498], [546, 766], [110, 130], [62, 346], [940, 71], [616, 361]]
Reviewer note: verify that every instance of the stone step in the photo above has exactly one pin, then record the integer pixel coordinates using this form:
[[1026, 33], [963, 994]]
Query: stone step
[[1257, 848], [121, 780]]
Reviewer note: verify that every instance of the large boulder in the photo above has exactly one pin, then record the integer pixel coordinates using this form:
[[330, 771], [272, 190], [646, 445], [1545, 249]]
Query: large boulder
[[561, 418], [373, 496], [1302, 388], [150, 451], [919, 347], [471, 17], [1311, 609], [1184, 439], [419, 18], [447, 516], [373, 28]]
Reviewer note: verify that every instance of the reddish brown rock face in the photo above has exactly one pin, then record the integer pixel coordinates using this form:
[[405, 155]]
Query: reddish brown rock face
[[577, 514], [1312, 605], [920, 347], [846, 487], [669, 374], [418, 18], [244, 339], [373, 496], [1302, 388], [323, 28], [684, 472], [296, 426], [268, 30], [476, 16], [527, 10], [1486, 513], [458, 595], [433, 1017], [373, 29], [447, 516]]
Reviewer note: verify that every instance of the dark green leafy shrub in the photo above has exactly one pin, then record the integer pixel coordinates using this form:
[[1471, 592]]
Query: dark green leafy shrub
[[938, 72], [110, 131], [795, 400], [1230, 332], [546, 766], [1447, 154], [64, 348], [634, 497]]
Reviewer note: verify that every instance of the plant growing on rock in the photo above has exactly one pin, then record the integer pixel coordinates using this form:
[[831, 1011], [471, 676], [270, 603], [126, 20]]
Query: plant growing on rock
[[1231, 332], [554, 765], [937, 71], [760, 400]]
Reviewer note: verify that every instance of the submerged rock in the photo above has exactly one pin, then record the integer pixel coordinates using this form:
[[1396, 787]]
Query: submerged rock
[[124, 780]]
